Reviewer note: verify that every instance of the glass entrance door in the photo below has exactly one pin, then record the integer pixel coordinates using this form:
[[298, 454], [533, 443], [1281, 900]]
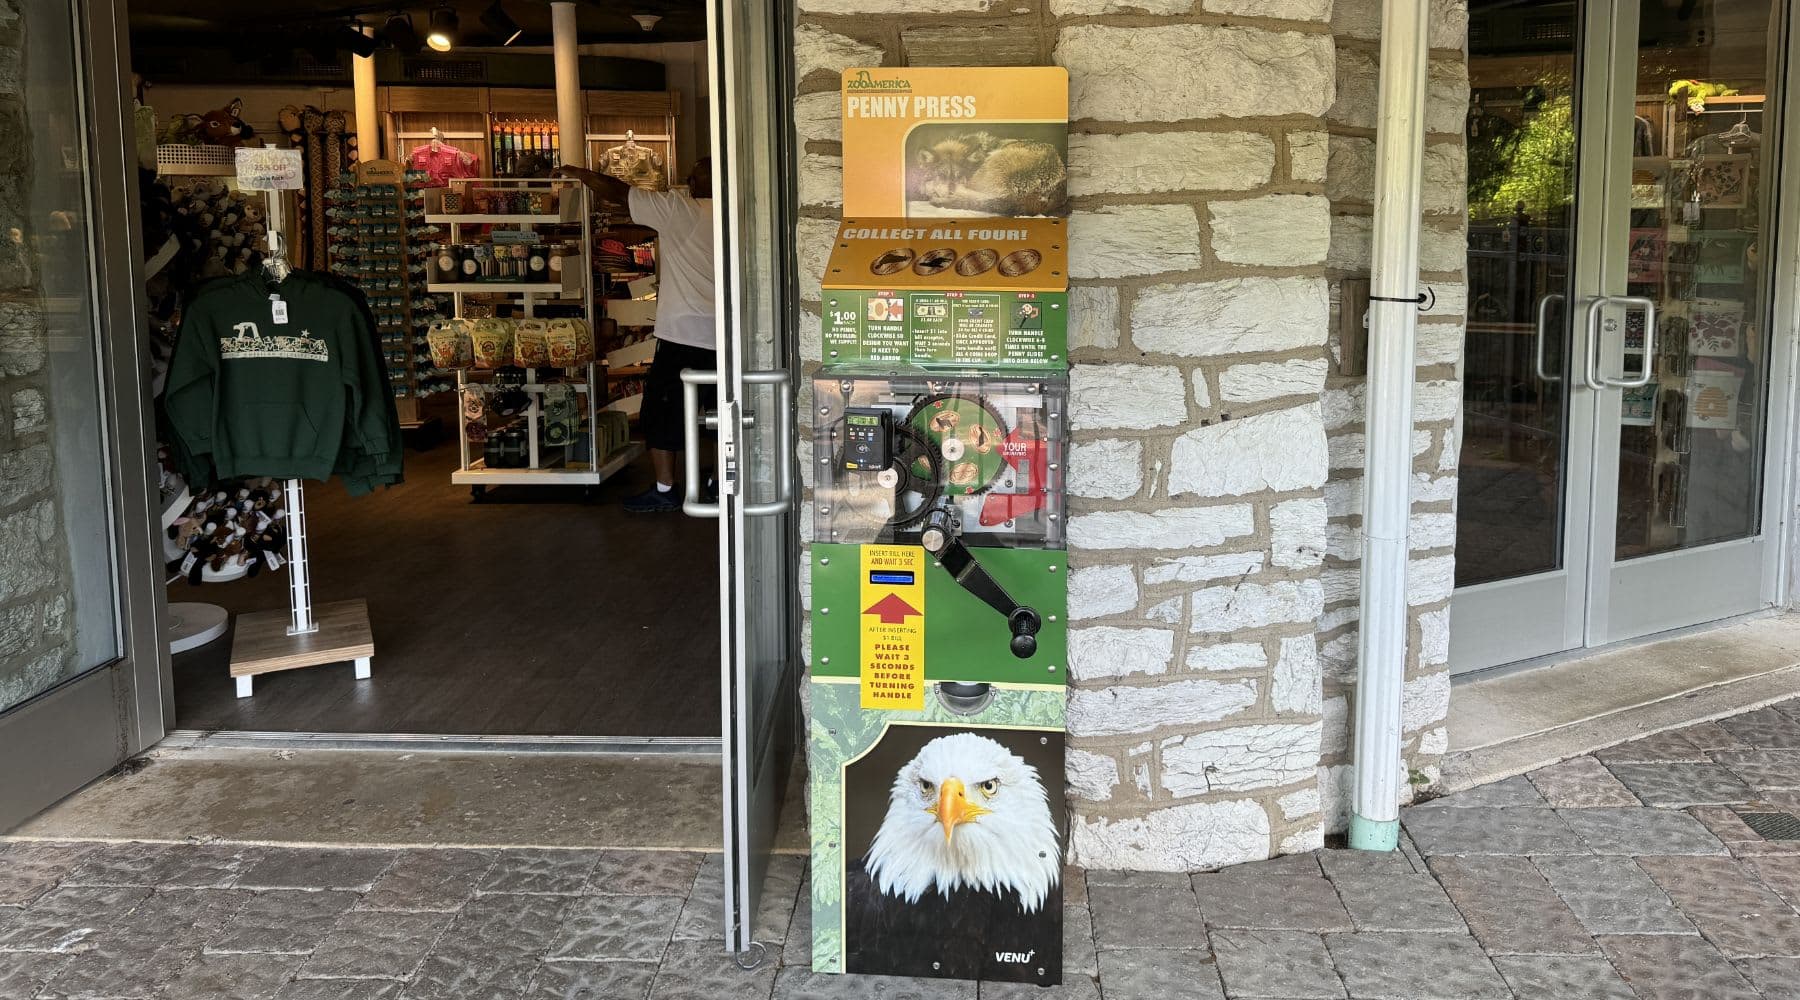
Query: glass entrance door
[[82, 668], [1622, 177], [758, 542]]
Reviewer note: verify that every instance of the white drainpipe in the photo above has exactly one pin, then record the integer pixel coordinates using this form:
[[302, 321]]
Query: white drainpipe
[[1387, 468]]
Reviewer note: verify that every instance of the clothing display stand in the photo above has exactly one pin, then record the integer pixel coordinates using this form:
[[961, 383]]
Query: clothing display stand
[[267, 641]]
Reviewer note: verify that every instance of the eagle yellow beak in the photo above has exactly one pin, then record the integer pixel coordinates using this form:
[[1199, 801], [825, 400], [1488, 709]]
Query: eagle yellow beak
[[954, 808]]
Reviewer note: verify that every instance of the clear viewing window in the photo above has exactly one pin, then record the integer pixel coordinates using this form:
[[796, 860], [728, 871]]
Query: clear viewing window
[[1521, 187], [1703, 167], [58, 612]]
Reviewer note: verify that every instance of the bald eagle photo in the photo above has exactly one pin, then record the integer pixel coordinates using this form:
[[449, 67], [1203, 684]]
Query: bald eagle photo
[[963, 880]]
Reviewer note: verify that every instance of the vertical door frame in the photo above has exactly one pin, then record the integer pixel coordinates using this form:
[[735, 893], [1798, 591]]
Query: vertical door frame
[[131, 427], [75, 732], [1600, 271], [1781, 482], [751, 756]]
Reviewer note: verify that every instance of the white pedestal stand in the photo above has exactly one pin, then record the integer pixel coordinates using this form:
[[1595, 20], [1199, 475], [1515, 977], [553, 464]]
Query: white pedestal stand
[[192, 625], [267, 641]]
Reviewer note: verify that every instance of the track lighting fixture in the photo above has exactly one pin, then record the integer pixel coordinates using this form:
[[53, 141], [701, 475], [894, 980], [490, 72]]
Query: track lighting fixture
[[351, 37], [400, 34], [501, 26], [443, 29]]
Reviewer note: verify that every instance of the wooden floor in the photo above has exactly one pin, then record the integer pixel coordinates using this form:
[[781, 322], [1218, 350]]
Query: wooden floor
[[530, 614]]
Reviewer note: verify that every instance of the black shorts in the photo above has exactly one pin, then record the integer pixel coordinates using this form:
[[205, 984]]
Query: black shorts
[[661, 416]]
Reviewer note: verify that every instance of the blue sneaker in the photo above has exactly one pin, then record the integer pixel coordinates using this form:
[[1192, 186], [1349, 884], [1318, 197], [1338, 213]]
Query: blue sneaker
[[653, 501]]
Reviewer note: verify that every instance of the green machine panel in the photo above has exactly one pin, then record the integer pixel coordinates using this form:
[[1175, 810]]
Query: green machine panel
[[988, 330], [965, 639]]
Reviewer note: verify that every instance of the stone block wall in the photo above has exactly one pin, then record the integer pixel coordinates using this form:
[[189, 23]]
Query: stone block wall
[[1437, 393], [36, 593], [1211, 513]]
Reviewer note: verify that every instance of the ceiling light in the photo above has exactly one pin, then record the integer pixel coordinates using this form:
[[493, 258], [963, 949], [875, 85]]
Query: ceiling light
[[400, 34], [646, 21], [351, 37], [496, 21], [443, 29]]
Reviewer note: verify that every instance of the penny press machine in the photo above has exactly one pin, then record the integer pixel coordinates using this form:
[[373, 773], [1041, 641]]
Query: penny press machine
[[938, 571]]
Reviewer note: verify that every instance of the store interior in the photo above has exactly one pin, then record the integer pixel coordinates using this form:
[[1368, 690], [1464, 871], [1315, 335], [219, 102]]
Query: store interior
[[507, 591]]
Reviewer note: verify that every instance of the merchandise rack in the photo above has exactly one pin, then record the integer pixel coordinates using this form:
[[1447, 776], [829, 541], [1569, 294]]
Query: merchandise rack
[[552, 465], [355, 254]]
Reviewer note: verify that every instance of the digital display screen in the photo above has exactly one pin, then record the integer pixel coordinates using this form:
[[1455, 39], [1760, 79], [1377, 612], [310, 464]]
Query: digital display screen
[[891, 577], [863, 419]]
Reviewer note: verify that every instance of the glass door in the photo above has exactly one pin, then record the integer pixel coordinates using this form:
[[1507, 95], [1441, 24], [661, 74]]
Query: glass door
[[758, 541], [1681, 342], [83, 676], [1617, 397], [1522, 474]]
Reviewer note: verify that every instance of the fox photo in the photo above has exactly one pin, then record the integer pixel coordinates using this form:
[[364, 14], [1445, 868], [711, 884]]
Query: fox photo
[[954, 867], [1010, 169]]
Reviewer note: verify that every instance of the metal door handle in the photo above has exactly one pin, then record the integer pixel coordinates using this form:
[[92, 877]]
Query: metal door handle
[[1593, 376], [692, 420], [1543, 312], [784, 431], [691, 381]]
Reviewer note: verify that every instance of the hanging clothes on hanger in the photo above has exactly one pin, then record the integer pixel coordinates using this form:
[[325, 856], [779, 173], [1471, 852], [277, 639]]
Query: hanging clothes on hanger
[[276, 373], [637, 165], [1739, 138], [1643, 137], [442, 161]]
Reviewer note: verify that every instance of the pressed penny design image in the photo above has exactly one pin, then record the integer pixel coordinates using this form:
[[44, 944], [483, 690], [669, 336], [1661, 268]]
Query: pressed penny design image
[[1020, 262], [966, 431], [893, 261], [934, 262], [977, 262]]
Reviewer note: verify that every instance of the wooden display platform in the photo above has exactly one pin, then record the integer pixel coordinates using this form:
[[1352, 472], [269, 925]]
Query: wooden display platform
[[262, 644]]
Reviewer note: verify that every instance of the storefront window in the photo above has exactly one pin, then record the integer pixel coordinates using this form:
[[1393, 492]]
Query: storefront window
[[1691, 444], [1521, 143], [58, 613]]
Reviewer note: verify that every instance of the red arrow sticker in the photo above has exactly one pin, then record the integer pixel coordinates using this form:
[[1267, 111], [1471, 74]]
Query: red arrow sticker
[[893, 610]]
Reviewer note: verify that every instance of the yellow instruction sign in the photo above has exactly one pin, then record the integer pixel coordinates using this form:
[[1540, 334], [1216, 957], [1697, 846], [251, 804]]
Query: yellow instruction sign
[[893, 626]]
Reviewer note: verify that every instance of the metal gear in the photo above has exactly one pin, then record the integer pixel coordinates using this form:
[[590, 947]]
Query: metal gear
[[920, 420], [910, 449]]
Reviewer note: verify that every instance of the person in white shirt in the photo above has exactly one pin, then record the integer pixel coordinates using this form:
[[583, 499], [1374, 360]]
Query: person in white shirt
[[686, 336]]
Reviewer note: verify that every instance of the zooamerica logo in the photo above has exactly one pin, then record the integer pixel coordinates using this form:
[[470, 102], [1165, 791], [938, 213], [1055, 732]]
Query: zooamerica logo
[[864, 81]]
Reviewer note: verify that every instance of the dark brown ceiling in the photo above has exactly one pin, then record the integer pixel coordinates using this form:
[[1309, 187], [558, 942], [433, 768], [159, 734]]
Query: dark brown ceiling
[[599, 20]]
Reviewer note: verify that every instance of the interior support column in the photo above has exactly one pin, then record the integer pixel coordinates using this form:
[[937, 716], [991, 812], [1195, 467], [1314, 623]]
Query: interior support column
[[368, 119], [1387, 471], [570, 121]]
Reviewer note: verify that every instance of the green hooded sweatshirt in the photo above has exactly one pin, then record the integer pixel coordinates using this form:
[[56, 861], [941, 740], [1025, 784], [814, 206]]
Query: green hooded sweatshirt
[[293, 400]]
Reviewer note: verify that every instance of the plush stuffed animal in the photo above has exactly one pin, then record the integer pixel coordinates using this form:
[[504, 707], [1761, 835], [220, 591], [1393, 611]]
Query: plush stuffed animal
[[182, 130], [253, 224], [225, 127]]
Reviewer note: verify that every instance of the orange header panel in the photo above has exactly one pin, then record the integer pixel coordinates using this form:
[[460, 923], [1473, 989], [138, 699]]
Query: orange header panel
[[952, 142], [998, 255]]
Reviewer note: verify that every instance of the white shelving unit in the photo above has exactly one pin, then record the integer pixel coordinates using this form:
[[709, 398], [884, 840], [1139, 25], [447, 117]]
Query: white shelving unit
[[546, 464]]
